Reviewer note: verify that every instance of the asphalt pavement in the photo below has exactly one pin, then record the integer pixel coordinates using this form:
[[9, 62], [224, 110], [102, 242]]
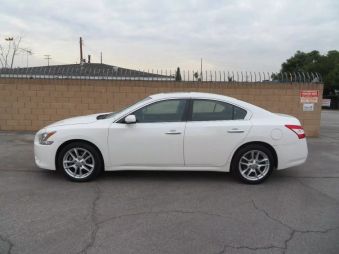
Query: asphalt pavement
[[295, 211]]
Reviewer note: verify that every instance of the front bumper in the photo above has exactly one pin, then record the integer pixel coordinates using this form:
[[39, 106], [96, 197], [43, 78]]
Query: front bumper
[[44, 155]]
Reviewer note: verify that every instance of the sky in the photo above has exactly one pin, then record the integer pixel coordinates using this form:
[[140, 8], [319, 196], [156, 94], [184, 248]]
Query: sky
[[234, 35]]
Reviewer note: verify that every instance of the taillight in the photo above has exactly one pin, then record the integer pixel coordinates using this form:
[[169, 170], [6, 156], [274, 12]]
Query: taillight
[[297, 129]]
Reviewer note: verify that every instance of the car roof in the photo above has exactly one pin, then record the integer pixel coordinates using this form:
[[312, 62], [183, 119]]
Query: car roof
[[197, 95], [189, 95]]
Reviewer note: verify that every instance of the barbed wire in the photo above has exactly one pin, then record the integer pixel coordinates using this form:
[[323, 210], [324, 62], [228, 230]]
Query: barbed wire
[[108, 72]]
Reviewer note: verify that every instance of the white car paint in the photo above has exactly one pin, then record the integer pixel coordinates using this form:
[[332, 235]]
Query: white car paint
[[198, 145]]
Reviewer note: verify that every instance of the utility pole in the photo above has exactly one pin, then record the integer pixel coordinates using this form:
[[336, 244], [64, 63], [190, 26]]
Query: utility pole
[[48, 57], [101, 57], [201, 69], [81, 58], [28, 52]]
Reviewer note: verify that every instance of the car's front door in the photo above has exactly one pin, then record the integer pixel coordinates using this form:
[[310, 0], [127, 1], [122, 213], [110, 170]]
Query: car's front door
[[214, 129], [156, 139]]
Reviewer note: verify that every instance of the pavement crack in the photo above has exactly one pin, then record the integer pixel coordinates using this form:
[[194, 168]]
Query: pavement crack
[[292, 230], [9, 242], [295, 231], [224, 250], [94, 221], [269, 216]]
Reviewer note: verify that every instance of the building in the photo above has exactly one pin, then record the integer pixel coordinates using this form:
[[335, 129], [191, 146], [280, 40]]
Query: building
[[84, 71]]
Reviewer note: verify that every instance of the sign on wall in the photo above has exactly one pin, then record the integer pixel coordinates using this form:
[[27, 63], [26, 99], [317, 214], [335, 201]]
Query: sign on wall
[[308, 107], [326, 103], [309, 96]]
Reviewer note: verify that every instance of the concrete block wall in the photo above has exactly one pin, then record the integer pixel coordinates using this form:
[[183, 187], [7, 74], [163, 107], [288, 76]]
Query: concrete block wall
[[28, 105]]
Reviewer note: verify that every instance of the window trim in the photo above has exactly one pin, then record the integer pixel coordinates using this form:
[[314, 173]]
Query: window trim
[[190, 111], [184, 117]]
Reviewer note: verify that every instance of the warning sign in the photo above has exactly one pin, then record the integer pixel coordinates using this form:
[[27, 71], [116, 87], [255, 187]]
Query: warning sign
[[309, 96]]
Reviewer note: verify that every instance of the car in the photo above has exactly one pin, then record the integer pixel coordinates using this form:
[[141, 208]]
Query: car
[[175, 131]]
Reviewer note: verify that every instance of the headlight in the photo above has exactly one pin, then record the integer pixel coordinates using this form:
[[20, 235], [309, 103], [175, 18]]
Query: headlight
[[43, 138]]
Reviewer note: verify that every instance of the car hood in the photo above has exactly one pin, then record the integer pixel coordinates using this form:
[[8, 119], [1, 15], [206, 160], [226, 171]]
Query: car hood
[[78, 120]]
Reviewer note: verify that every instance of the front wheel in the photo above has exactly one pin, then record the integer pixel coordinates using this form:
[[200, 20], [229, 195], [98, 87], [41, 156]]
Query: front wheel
[[80, 162], [253, 164]]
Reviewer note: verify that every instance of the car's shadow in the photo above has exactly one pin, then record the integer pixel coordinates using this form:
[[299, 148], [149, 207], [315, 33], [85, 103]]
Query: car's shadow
[[162, 176], [145, 175]]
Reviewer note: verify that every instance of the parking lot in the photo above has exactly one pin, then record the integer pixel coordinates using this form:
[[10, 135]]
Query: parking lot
[[295, 211]]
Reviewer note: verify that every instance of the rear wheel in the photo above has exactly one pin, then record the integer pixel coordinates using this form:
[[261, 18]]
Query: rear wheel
[[80, 162], [253, 164]]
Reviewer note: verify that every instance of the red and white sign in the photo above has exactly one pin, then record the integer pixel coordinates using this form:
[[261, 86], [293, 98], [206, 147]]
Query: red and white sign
[[309, 96]]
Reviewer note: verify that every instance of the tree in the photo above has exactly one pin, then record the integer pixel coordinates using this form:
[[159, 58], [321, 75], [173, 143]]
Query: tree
[[327, 65], [178, 75], [196, 76], [8, 53]]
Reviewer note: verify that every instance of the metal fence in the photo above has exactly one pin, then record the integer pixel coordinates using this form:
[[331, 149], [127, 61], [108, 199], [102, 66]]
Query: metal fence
[[117, 73]]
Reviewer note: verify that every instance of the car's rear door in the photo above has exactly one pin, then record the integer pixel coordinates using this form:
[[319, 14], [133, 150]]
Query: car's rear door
[[213, 130], [156, 139]]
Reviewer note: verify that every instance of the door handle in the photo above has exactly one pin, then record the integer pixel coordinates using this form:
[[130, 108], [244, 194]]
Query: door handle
[[235, 131], [173, 132]]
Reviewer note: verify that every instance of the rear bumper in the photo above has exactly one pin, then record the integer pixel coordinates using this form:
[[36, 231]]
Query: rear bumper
[[291, 155]]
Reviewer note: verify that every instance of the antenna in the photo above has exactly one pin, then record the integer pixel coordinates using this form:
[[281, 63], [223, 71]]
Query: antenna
[[48, 57]]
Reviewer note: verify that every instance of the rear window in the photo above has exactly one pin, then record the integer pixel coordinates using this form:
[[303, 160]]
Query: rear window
[[210, 110], [239, 113]]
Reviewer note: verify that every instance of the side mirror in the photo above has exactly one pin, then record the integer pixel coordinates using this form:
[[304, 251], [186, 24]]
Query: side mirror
[[130, 119]]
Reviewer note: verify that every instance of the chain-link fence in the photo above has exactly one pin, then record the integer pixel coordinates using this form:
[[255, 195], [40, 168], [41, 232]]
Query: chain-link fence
[[108, 72]]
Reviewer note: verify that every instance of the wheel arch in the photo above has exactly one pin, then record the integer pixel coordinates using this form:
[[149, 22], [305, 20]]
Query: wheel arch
[[268, 146], [78, 140]]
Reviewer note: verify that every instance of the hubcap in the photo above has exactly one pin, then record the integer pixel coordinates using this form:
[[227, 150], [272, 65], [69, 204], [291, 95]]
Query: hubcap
[[254, 165], [78, 163]]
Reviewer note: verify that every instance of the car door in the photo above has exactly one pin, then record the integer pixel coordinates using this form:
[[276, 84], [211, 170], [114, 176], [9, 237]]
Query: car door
[[155, 140], [213, 130]]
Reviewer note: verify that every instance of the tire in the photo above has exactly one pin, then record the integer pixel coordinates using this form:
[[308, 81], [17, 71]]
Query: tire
[[253, 164], [80, 162]]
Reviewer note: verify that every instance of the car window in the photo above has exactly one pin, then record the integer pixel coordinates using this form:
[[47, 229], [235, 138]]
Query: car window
[[163, 111], [210, 110], [239, 113]]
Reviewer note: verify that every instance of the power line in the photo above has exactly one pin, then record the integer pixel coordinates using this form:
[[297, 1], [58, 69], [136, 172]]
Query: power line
[[48, 57], [28, 52]]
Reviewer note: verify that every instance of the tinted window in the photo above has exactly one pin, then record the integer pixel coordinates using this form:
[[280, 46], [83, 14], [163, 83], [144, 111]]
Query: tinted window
[[163, 111], [239, 113], [209, 110]]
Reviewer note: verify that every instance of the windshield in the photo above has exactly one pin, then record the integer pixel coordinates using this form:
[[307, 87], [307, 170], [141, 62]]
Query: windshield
[[114, 113]]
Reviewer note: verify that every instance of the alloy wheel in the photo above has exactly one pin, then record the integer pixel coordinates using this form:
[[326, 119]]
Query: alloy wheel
[[254, 165], [78, 163]]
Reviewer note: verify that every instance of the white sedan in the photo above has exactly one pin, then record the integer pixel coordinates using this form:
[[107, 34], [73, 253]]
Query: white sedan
[[174, 131]]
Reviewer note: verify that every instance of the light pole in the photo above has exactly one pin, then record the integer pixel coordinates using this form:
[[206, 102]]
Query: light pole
[[9, 39]]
